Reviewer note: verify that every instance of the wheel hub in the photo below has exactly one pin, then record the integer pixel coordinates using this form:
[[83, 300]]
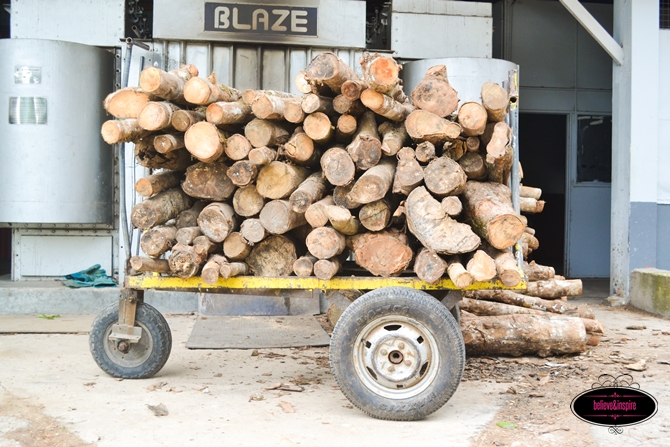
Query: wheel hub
[[396, 359]]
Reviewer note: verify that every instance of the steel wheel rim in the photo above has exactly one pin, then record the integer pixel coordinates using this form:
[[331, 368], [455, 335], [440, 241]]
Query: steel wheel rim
[[137, 354], [396, 357]]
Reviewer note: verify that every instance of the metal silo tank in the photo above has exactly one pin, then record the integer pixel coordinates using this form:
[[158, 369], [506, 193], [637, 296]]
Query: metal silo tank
[[54, 166]]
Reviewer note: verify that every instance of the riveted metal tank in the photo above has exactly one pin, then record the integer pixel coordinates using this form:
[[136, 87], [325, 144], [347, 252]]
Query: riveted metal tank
[[54, 166]]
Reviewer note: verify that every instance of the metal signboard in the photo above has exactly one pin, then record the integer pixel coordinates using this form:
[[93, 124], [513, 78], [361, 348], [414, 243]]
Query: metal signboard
[[260, 19]]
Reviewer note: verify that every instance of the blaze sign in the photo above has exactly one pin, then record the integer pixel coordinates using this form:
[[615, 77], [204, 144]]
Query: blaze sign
[[260, 19]]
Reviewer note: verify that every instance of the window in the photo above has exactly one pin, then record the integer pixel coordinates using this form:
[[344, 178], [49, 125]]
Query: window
[[594, 148], [664, 14]]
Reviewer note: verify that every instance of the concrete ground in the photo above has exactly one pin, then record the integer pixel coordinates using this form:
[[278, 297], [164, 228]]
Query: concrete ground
[[53, 394]]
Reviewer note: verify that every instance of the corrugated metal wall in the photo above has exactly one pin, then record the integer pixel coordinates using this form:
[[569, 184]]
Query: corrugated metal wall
[[247, 66]]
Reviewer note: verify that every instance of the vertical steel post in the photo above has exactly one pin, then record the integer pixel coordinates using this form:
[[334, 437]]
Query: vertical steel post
[[513, 89]]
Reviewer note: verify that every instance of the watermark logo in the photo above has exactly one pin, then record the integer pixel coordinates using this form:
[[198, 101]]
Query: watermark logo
[[614, 402]]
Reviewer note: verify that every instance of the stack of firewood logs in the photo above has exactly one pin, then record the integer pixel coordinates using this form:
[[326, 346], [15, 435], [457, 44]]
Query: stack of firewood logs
[[270, 183]]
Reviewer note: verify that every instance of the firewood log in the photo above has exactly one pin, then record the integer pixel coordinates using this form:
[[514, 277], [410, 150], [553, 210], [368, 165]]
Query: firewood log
[[381, 74], [122, 131], [345, 128], [326, 269], [237, 147], [429, 266], [252, 231], [427, 220], [153, 184], [530, 240], [293, 113], [319, 127], [156, 115], [337, 166], [394, 136], [309, 191], [489, 206], [187, 235], [506, 267], [434, 93], [300, 148], [457, 273], [529, 230], [353, 88], [375, 216], [272, 257], [236, 112], [217, 221], [385, 105], [472, 118], [242, 172], [156, 241], [210, 271], [316, 214], [532, 206], [523, 334], [328, 69], [278, 218], [205, 141], [205, 246], [530, 192], [167, 85], [160, 208], [517, 299], [408, 173], [325, 242], [452, 206], [189, 217], [265, 133], [147, 265], [305, 86], [488, 309], [304, 265], [271, 107], [183, 119], [249, 95], [495, 100], [278, 180], [472, 144], [537, 272], [341, 197], [342, 220], [207, 91], [232, 269], [126, 102], [554, 288], [374, 183], [344, 106], [247, 202], [454, 149], [481, 266], [398, 219], [262, 156], [422, 125], [184, 261], [366, 148], [312, 103], [235, 247], [208, 181], [147, 156], [474, 166], [425, 151], [385, 253], [443, 177], [168, 142], [498, 153]]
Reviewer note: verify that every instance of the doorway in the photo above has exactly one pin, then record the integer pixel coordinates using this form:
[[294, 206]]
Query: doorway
[[543, 144]]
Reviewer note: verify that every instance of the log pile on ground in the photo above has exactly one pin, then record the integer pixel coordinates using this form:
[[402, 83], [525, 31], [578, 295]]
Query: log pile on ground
[[270, 183]]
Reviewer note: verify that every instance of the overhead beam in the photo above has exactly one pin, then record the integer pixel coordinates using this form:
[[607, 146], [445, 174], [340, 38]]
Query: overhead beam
[[595, 29]]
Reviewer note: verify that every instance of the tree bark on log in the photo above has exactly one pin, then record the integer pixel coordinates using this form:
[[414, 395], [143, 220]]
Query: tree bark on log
[[394, 136], [337, 166], [207, 91], [184, 261], [444, 177], [385, 105], [429, 266], [342, 220], [472, 118], [318, 127], [506, 267], [189, 217], [187, 235], [427, 220], [457, 273], [498, 153], [305, 86], [265, 133], [278, 180], [341, 197], [167, 85], [328, 69], [210, 271], [156, 115], [273, 257], [232, 269], [153, 184], [523, 334], [217, 221], [309, 191], [422, 125], [374, 183], [495, 100], [452, 206], [278, 218], [262, 156], [208, 181], [148, 265], [122, 131], [250, 95], [205, 141], [126, 102], [481, 266], [489, 207], [366, 148], [326, 269], [530, 302], [168, 142], [160, 208], [434, 93], [385, 253], [474, 166], [157, 241], [483, 308], [316, 214], [381, 74], [146, 156], [528, 205], [408, 173], [300, 148], [235, 247], [325, 242], [537, 272], [454, 149], [253, 231], [183, 119], [242, 173], [530, 192], [375, 216], [271, 107], [304, 266], [222, 113], [425, 151], [555, 288]]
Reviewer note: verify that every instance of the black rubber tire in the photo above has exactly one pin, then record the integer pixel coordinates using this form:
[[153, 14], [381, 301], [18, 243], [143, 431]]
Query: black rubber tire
[[408, 305], [144, 359]]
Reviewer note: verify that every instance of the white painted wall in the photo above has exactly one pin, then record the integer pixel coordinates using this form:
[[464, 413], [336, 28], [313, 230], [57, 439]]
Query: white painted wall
[[664, 118]]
